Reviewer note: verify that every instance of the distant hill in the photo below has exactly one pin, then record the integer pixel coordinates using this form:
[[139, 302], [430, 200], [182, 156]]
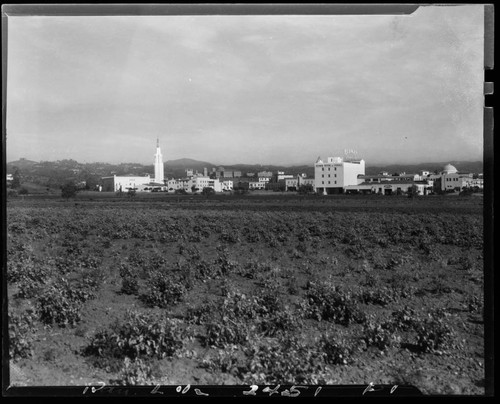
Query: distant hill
[[186, 163], [22, 163], [53, 174]]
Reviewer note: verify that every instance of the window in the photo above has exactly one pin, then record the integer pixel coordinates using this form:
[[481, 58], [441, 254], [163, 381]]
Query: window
[[335, 182], [328, 175], [328, 168], [328, 181], [322, 168], [322, 182], [335, 175], [323, 175]]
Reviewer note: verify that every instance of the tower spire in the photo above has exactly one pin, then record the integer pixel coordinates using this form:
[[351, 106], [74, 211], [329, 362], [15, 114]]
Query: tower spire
[[158, 163]]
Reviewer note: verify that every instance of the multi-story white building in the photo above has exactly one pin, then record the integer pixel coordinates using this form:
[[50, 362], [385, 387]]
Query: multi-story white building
[[204, 182], [335, 174]]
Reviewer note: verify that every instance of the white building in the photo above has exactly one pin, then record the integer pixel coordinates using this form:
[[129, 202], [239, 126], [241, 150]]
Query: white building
[[334, 175], [122, 183], [158, 164], [390, 187], [282, 176], [205, 182], [293, 184], [226, 185], [451, 179], [257, 184]]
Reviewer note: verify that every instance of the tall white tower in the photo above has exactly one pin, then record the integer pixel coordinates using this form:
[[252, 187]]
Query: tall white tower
[[158, 163]]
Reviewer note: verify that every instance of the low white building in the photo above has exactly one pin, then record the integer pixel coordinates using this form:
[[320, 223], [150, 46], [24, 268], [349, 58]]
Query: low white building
[[226, 185], [293, 184], [257, 184], [282, 176], [390, 187], [124, 183]]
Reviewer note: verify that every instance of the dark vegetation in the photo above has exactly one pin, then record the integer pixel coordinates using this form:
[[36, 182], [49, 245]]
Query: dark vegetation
[[321, 290]]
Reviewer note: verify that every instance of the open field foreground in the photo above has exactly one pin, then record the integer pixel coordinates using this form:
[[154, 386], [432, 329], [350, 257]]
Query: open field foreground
[[249, 290]]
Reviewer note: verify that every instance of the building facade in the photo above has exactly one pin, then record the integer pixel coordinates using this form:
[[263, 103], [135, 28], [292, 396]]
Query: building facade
[[124, 183], [335, 174]]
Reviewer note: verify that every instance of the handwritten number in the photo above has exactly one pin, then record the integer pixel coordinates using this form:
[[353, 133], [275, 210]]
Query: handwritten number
[[253, 389], [368, 388], [293, 391], [93, 389], [394, 388], [200, 393], [317, 391], [271, 391]]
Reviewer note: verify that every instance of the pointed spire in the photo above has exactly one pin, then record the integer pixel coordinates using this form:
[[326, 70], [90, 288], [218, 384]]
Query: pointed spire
[[157, 142]]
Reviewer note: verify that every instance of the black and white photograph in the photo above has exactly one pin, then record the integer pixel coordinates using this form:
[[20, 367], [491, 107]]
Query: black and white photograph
[[279, 200]]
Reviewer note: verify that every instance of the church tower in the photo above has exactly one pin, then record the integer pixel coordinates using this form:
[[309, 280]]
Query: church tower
[[158, 164]]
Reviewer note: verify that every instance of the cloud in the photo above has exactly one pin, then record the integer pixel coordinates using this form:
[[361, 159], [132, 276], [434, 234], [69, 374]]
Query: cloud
[[285, 86]]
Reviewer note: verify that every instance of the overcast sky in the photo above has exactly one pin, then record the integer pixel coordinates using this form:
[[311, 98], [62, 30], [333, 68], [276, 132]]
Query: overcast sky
[[247, 89]]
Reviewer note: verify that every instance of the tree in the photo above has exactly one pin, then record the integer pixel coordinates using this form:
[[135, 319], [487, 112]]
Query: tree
[[413, 191], [306, 189], [194, 189], [16, 179], [207, 191], [69, 190], [91, 181], [131, 192]]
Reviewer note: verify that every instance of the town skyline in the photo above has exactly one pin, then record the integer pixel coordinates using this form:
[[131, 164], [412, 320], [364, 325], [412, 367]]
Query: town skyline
[[279, 90]]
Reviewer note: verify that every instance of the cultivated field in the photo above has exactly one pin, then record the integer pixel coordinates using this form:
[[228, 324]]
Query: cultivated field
[[163, 289]]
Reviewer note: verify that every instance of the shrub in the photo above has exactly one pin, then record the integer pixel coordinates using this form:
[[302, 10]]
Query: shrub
[[225, 264], [378, 335], [20, 327], [134, 373], [163, 290], [327, 302], [404, 319], [69, 190], [138, 335], [475, 304], [434, 336], [130, 285], [280, 321], [283, 361], [338, 351], [226, 360], [226, 332], [200, 314], [61, 303], [381, 297], [93, 278]]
